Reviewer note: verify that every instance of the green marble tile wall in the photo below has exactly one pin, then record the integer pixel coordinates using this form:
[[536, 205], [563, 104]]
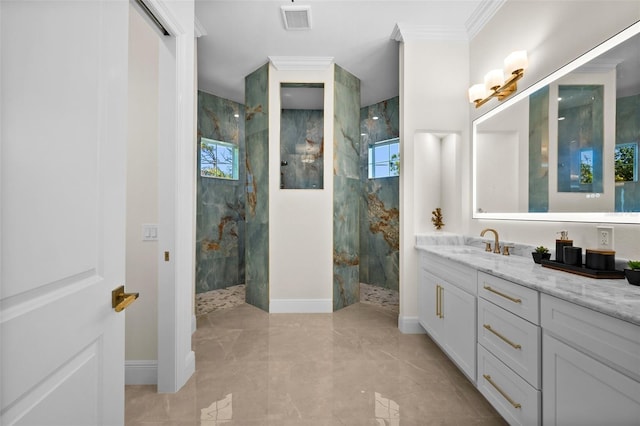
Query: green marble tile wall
[[302, 147], [581, 139], [257, 187], [628, 131], [539, 151], [220, 222], [380, 201], [346, 189]]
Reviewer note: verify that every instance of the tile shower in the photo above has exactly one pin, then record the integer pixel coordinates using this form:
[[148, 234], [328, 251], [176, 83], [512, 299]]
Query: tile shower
[[221, 211]]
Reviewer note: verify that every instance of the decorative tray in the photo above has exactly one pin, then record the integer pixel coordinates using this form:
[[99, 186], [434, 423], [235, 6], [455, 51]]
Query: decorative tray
[[582, 270]]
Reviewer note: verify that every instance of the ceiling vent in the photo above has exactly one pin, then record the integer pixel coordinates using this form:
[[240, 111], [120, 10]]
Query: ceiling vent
[[296, 18]]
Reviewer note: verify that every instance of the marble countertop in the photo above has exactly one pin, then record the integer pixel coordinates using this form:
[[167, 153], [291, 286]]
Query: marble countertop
[[614, 297]]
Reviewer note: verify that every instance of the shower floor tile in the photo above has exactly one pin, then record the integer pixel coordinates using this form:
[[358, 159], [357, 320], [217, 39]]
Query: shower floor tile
[[216, 300]]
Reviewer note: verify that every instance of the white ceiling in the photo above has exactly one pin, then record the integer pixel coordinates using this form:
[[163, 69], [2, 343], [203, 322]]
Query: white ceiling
[[242, 34]]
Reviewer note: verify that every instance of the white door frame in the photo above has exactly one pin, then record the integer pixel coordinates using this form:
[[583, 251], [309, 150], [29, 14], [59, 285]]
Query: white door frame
[[176, 198]]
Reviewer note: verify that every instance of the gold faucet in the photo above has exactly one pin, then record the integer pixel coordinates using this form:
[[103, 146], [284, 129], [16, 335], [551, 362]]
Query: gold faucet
[[496, 244]]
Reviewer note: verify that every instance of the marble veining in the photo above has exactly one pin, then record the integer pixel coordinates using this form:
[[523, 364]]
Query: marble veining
[[616, 298], [257, 188], [346, 190], [379, 201], [220, 218]]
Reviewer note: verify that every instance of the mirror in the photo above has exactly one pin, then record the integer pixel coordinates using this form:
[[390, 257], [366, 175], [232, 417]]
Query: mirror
[[567, 147], [302, 136]]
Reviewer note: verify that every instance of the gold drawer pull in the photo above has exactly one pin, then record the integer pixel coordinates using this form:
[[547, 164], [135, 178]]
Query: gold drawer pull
[[514, 345], [439, 289], [511, 401], [506, 296]]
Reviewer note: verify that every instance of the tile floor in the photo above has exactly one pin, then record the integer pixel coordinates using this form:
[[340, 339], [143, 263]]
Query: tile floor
[[349, 368], [229, 297]]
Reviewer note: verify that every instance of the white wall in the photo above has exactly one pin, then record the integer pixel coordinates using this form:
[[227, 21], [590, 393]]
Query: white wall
[[430, 72], [450, 197], [300, 220], [141, 341], [563, 30], [177, 193]]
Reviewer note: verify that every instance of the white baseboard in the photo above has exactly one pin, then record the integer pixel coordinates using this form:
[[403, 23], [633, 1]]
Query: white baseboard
[[141, 372], [300, 306], [194, 324], [189, 365], [410, 325]]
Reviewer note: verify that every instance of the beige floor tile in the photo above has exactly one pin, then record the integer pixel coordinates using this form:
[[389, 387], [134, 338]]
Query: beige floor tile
[[349, 368]]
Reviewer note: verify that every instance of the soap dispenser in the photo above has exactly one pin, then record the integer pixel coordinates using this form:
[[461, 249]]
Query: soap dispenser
[[563, 242]]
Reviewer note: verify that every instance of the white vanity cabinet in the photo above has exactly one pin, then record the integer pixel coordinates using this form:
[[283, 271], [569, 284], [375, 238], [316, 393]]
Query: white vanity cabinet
[[591, 366], [447, 309], [509, 349]]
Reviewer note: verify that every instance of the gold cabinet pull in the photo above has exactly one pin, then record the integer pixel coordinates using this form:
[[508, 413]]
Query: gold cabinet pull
[[506, 296], [505, 396], [120, 300], [441, 302], [439, 292], [514, 345]]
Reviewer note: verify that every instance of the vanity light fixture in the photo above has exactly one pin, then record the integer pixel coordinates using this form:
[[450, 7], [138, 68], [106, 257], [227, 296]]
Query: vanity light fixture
[[495, 85]]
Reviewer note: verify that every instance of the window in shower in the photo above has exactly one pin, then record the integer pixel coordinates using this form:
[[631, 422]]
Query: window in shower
[[626, 162], [384, 158], [218, 159]]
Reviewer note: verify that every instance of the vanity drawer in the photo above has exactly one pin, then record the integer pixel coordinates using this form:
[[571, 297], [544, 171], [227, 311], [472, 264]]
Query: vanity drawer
[[615, 342], [515, 341], [514, 298], [455, 273], [515, 399]]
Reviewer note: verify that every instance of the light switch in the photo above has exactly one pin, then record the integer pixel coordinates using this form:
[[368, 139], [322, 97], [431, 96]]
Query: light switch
[[149, 232]]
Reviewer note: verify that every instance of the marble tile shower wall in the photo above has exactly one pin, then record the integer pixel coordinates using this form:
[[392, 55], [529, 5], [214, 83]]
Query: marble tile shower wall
[[232, 223], [220, 222], [346, 190], [302, 147], [380, 201], [257, 187]]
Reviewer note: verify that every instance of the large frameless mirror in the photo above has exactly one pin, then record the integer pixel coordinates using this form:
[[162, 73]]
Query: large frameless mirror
[[567, 147]]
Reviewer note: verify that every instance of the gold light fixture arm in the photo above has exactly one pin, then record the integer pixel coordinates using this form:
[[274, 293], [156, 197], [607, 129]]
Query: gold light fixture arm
[[495, 85], [502, 92]]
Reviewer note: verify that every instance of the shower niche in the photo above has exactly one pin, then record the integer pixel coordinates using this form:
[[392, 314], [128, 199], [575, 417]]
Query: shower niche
[[302, 136]]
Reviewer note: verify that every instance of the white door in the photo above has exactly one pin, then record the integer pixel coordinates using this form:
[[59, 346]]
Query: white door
[[63, 127]]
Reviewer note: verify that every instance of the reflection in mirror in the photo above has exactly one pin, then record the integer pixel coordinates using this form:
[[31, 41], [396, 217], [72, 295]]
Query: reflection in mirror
[[580, 138], [302, 136], [567, 147]]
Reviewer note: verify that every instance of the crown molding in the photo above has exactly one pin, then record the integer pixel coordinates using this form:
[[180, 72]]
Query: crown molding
[[481, 15], [404, 32], [199, 28], [599, 66], [412, 32], [301, 63]]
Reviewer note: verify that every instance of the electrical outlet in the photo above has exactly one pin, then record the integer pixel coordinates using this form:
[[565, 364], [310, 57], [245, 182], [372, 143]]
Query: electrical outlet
[[605, 237]]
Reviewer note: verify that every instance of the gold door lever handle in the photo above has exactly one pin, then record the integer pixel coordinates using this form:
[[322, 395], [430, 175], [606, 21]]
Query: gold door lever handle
[[120, 300]]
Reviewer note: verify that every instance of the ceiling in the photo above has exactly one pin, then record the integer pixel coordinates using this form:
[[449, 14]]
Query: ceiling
[[242, 34]]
